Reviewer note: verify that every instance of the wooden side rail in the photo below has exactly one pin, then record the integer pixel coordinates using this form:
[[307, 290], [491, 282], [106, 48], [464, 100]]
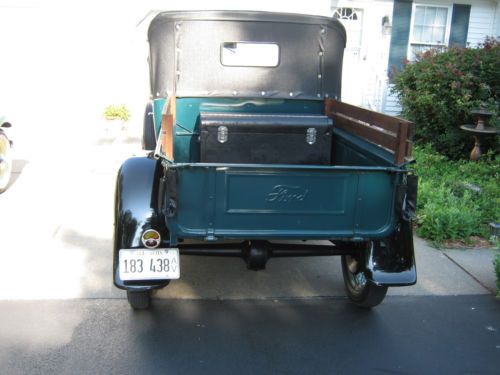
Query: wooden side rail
[[167, 128], [391, 133]]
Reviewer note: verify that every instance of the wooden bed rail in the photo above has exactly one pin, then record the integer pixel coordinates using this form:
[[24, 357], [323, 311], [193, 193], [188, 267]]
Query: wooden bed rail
[[167, 128], [391, 133]]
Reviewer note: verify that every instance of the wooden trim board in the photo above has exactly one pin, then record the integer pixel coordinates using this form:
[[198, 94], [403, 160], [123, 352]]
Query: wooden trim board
[[167, 128], [391, 133]]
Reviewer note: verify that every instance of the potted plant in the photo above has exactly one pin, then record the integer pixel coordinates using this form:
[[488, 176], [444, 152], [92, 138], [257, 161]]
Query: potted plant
[[116, 116]]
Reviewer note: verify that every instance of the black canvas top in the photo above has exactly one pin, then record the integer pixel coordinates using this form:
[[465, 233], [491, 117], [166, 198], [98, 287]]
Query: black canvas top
[[185, 55]]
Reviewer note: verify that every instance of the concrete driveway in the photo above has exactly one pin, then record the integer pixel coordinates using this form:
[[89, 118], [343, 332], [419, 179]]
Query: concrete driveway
[[57, 220], [61, 314]]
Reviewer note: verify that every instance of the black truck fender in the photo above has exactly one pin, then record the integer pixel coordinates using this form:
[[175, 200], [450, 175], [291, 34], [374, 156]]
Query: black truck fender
[[391, 262], [137, 209]]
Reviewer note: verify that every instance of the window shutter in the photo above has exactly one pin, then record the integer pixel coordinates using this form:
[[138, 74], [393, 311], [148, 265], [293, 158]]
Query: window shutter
[[401, 18], [459, 25]]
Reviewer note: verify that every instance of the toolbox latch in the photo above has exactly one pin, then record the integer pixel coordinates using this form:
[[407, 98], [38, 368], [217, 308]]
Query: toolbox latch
[[311, 136], [222, 134]]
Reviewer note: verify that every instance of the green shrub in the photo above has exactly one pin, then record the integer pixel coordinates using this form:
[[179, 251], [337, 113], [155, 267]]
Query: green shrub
[[448, 217], [456, 199], [116, 112], [440, 89]]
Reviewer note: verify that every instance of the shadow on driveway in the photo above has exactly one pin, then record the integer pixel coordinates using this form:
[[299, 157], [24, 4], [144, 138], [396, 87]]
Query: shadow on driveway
[[410, 335]]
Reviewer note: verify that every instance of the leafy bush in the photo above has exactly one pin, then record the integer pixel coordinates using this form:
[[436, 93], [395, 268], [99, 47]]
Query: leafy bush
[[456, 199], [447, 217], [116, 112], [440, 89]]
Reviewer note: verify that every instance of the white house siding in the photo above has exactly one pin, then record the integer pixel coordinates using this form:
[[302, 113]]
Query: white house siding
[[484, 21], [376, 55], [391, 104], [497, 20], [365, 59]]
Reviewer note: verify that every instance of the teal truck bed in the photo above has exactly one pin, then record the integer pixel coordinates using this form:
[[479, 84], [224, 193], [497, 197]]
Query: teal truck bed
[[353, 198]]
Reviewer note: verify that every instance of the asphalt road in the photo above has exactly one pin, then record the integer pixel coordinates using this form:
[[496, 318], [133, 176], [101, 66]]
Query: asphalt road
[[405, 335], [60, 314]]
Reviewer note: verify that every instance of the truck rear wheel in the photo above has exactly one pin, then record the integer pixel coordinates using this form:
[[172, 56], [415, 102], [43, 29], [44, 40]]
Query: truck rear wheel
[[139, 300], [361, 292]]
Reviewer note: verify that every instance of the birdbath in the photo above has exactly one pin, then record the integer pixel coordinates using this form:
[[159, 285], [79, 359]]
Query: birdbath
[[479, 130]]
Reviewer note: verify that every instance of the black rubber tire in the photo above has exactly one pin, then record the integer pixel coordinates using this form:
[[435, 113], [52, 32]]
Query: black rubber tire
[[368, 295], [139, 300], [6, 166], [148, 129]]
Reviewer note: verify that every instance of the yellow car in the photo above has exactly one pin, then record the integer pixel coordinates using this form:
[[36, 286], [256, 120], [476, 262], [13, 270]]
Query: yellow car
[[5, 157]]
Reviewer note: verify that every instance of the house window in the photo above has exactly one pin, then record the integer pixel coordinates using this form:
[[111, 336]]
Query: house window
[[430, 28], [351, 18], [346, 14]]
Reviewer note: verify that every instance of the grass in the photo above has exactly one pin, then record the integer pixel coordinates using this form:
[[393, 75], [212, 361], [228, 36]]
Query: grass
[[457, 199]]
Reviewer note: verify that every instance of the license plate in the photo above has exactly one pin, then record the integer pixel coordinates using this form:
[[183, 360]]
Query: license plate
[[149, 264]]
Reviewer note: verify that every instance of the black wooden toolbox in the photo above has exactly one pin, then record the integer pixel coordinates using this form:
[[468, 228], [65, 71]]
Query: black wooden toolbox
[[265, 138]]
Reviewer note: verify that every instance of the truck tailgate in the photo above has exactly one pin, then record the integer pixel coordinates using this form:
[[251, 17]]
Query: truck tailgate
[[245, 201]]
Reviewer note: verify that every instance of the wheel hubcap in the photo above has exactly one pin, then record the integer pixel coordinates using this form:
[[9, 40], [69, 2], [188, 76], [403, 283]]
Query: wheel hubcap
[[352, 264], [356, 277]]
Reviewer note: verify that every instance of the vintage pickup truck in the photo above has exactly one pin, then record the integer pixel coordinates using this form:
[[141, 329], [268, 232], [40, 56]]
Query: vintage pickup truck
[[250, 146]]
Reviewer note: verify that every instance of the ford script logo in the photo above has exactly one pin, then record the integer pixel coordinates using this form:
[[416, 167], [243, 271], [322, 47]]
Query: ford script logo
[[287, 193]]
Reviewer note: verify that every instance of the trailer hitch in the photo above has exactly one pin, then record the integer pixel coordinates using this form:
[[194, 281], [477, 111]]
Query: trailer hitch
[[256, 254]]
